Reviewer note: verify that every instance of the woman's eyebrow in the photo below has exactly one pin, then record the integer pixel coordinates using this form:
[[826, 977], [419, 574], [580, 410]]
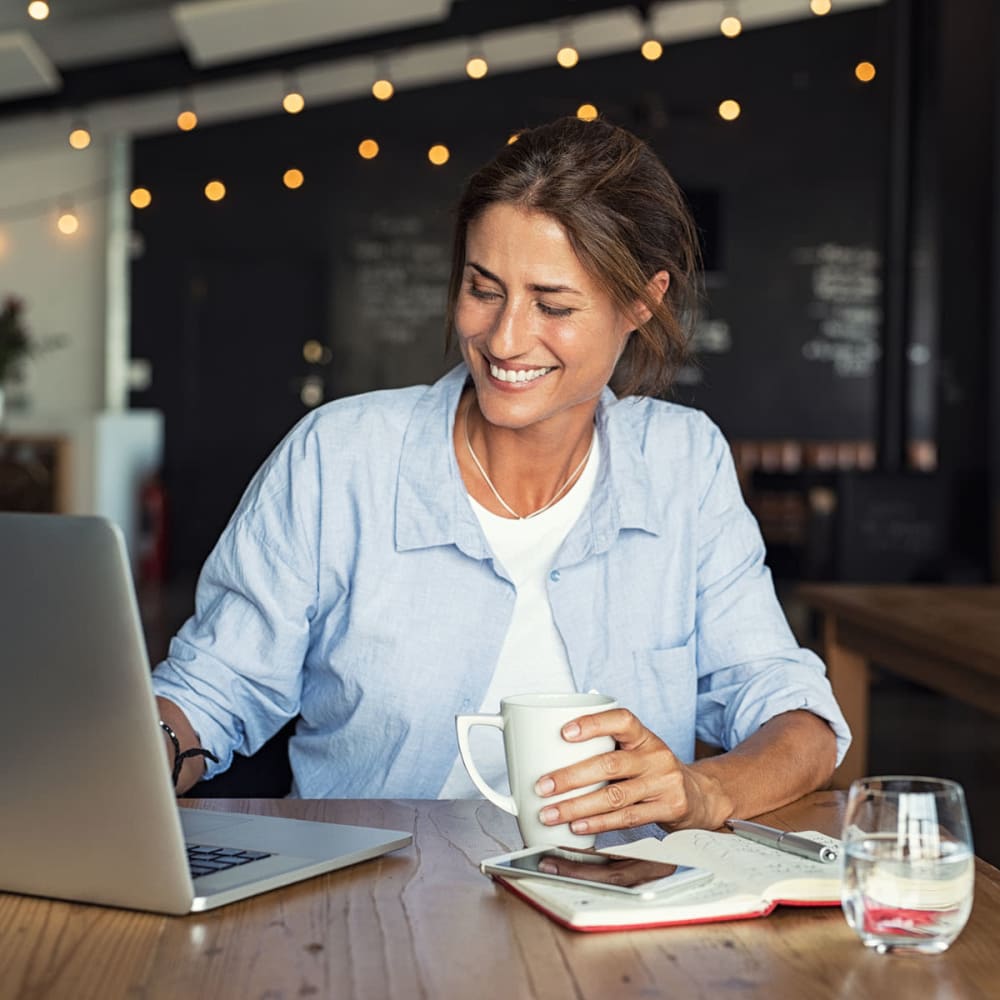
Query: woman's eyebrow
[[553, 289], [548, 289], [482, 270]]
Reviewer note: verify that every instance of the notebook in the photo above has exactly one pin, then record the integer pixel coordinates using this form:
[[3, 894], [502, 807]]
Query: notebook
[[87, 810], [749, 880]]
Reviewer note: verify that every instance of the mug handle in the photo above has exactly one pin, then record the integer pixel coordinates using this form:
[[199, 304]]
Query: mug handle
[[463, 723]]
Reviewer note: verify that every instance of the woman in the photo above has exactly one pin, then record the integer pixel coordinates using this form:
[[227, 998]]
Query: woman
[[406, 556]]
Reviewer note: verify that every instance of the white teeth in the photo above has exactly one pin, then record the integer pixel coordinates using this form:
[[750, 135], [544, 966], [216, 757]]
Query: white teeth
[[506, 375]]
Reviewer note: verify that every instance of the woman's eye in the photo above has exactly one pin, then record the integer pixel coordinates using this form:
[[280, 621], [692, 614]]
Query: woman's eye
[[553, 310], [484, 294]]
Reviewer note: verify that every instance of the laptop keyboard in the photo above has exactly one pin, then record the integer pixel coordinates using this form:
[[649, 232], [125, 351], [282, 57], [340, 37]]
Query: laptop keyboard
[[204, 859]]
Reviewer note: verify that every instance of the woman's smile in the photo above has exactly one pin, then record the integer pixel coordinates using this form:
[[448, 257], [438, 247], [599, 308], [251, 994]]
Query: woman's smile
[[540, 335]]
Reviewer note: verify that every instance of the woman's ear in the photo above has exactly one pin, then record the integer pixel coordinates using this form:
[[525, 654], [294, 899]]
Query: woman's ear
[[656, 288]]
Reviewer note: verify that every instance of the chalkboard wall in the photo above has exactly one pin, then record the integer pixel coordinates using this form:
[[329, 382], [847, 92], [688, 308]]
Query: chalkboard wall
[[357, 259]]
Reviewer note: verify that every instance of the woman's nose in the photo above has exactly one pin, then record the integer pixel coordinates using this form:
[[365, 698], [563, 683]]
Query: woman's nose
[[511, 334]]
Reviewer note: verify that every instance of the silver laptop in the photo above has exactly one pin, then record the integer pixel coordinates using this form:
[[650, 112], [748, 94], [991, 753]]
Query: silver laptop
[[87, 811]]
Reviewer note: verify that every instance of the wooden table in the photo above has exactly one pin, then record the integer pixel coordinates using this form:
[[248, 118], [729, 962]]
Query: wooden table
[[946, 638], [423, 923]]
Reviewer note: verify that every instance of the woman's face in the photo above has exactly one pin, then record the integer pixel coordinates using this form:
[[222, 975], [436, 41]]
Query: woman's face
[[540, 337]]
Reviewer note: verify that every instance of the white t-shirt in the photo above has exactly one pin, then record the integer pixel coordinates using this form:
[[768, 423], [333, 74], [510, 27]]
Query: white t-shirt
[[533, 657]]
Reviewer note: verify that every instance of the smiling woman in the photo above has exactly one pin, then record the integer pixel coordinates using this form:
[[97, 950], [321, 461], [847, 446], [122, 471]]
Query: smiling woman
[[407, 556]]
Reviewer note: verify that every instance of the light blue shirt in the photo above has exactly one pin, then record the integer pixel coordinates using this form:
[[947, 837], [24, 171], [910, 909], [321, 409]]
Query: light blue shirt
[[354, 586]]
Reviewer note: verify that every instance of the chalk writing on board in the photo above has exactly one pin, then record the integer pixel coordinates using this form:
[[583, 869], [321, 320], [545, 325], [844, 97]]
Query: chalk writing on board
[[400, 278], [844, 311], [708, 336]]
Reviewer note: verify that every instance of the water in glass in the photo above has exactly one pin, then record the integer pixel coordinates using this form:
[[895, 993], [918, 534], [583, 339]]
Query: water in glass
[[908, 864]]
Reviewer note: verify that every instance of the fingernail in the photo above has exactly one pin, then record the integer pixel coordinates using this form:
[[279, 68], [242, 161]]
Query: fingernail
[[544, 786], [549, 814], [571, 729], [579, 826]]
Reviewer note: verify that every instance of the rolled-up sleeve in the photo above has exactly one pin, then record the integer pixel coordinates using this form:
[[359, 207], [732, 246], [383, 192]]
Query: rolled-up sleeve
[[750, 667], [235, 667]]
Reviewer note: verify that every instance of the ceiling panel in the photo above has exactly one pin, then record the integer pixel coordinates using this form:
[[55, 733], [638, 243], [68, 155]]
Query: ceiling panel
[[24, 69], [221, 31]]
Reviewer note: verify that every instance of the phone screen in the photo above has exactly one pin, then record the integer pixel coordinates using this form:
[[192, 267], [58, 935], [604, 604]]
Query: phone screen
[[593, 868]]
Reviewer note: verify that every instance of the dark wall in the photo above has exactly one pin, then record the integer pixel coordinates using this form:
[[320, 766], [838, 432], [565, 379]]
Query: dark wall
[[225, 295]]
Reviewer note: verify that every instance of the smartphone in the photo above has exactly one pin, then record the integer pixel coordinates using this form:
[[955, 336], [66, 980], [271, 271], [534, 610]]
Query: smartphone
[[595, 870]]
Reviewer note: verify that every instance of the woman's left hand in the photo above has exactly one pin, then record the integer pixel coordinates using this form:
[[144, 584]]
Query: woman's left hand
[[646, 783]]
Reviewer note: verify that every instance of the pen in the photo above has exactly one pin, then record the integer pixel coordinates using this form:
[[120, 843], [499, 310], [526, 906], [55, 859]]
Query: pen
[[782, 840]]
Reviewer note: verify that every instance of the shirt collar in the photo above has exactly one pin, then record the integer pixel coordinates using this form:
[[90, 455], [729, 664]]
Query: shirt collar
[[432, 506]]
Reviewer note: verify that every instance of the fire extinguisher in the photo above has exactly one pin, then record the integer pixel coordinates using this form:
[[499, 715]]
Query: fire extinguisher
[[152, 530]]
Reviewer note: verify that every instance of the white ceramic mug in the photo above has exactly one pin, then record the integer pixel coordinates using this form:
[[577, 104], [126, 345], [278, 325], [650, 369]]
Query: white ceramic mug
[[531, 725]]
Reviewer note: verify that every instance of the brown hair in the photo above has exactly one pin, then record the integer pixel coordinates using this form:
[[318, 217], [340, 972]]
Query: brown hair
[[626, 219]]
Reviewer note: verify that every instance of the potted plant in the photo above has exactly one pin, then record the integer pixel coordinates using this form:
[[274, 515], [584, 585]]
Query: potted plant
[[16, 345]]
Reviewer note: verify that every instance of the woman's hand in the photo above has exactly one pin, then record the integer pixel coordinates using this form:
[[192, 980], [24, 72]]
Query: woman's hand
[[646, 782]]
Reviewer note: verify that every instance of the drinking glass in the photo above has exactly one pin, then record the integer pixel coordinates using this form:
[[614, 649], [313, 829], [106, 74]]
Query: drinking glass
[[908, 863]]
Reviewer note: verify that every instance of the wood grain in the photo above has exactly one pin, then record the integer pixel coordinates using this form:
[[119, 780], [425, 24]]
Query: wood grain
[[423, 923]]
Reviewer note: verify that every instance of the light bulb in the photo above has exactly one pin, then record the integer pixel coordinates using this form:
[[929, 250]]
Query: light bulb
[[865, 72], [438, 154], [651, 49], [293, 102], [731, 26], [567, 57], [477, 67], [729, 110]]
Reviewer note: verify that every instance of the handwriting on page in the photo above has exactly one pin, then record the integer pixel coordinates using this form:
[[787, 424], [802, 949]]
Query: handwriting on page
[[743, 859]]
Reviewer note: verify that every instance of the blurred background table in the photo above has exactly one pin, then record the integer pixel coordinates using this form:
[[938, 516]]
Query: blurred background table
[[424, 923], [946, 638]]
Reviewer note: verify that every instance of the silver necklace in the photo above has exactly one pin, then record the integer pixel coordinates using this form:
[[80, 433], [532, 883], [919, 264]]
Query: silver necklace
[[500, 500]]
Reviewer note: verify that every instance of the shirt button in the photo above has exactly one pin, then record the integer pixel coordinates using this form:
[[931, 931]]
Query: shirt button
[[554, 576]]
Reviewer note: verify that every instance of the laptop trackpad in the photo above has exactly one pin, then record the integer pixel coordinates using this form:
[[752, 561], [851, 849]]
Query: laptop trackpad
[[195, 822]]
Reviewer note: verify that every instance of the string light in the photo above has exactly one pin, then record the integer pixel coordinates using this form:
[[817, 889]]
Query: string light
[[865, 72], [79, 137], [293, 178], [140, 197], [730, 110], [215, 190], [731, 26], [38, 10], [820, 7], [567, 56], [512, 138], [438, 154], [586, 112], [651, 49], [293, 102], [187, 117], [368, 149], [68, 223], [476, 66], [382, 88]]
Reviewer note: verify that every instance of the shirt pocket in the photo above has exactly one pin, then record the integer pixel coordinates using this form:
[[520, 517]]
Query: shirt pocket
[[667, 689]]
